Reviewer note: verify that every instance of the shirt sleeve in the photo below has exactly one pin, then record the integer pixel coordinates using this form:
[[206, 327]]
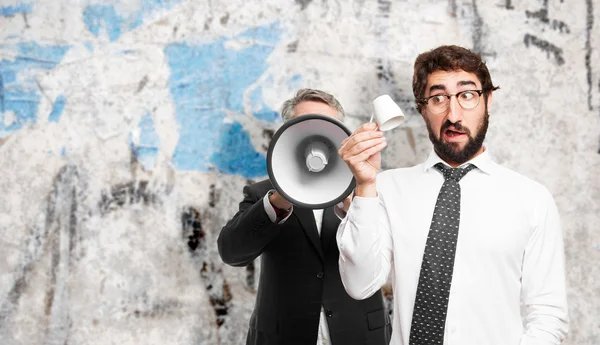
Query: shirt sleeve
[[365, 246], [543, 280], [271, 210]]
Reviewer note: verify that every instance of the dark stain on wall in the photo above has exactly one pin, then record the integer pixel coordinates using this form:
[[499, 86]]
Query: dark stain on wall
[[142, 84], [452, 8], [127, 193], [157, 309], [267, 133], [542, 16], [207, 23], [303, 3], [63, 223], [60, 221], [225, 19], [508, 5], [216, 285], [477, 29], [292, 47], [384, 7], [213, 196], [192, 223], [220, 299], [549, 48], [27, 21], [588, 50]]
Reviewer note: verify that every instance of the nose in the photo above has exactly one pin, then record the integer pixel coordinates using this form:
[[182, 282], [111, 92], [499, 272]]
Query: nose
[[455, 113]]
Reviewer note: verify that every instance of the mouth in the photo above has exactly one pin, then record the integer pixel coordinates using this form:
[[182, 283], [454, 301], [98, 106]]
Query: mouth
[[453, 135]]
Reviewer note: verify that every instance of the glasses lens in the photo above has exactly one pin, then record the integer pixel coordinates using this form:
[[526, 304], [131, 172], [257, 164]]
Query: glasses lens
[[468, 99], [437, 104]]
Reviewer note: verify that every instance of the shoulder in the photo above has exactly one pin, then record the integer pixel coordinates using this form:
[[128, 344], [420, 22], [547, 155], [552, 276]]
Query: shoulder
[[391, 175], [524, 188], [258, 188]]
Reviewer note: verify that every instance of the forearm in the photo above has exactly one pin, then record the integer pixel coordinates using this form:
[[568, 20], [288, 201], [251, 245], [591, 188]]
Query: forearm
[[365, 248], [543, 281], [246, 235]]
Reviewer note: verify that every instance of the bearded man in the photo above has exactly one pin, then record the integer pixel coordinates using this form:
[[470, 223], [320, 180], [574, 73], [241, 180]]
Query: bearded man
[[466, 241]]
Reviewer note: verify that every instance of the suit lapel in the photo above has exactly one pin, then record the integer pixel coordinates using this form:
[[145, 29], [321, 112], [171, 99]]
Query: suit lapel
[[306, 217], [329, 227]]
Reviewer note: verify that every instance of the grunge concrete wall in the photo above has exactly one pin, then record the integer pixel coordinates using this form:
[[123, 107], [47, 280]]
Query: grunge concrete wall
[[128, 128]]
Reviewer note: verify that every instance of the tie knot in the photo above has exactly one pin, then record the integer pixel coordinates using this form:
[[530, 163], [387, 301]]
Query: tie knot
[[453, 173]]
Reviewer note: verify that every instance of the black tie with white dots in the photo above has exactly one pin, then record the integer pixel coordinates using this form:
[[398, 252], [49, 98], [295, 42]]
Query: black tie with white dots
[[431, 303]]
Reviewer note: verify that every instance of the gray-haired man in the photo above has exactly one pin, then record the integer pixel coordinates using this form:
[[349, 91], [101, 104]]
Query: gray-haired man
[[300, 299]]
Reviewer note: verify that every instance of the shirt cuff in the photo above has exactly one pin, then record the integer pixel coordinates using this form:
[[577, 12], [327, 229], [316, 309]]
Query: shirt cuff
[[270, 210]]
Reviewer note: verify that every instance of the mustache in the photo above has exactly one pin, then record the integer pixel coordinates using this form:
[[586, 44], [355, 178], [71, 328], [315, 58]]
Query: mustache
[[454, 126]]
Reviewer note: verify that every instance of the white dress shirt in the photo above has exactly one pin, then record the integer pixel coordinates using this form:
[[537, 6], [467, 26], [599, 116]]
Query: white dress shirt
[[323, 337], [509, 251]]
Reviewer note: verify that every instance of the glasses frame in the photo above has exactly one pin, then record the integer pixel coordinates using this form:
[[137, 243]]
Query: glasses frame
[[425, 101]]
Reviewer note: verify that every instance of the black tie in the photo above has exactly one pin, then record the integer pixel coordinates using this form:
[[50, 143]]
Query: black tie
[[431, 303]]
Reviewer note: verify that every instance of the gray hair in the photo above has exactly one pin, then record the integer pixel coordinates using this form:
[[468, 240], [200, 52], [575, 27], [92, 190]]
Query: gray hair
[[287, 110]]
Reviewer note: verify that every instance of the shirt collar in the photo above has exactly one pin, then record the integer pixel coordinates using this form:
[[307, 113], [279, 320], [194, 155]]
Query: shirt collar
[[483, 161]]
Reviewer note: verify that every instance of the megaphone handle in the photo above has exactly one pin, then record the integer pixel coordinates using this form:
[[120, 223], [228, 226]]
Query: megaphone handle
[[371, 120]]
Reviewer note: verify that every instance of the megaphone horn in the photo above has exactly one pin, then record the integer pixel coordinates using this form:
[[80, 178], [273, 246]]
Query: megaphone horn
[[303, 163]]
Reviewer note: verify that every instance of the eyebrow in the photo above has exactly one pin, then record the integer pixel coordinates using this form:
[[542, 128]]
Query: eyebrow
[[443, 87]]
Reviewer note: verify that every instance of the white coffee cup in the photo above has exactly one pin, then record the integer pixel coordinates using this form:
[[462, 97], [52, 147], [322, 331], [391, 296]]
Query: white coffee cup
[[386, 112]]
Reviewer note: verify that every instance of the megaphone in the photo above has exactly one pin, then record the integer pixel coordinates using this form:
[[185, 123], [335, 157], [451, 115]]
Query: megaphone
[[303, 163]]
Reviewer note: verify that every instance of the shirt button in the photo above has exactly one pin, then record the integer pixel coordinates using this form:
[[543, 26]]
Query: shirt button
[[320, 275], [328, 313]]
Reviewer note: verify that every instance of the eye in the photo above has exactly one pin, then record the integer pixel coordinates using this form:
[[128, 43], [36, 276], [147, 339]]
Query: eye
[[467, 95], [437, 99]]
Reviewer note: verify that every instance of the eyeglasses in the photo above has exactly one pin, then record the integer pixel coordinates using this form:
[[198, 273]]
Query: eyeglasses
[[438, 104]]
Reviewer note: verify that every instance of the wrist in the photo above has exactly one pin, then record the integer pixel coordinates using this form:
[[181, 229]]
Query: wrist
[[366, 190], [279, 203]]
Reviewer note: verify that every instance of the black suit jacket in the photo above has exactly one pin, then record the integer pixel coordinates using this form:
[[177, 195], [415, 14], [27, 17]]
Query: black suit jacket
[[299, 273]]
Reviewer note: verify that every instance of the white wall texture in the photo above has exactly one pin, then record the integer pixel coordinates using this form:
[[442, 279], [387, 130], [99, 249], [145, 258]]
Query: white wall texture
[[129, 127]]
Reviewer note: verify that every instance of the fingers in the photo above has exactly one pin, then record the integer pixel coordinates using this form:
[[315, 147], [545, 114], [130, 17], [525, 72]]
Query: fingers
[[366, 131], [364, 155], [368, 144], [360, 146]]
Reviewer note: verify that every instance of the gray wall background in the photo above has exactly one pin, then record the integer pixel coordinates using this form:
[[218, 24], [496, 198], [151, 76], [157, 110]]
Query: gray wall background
[[129, 127]]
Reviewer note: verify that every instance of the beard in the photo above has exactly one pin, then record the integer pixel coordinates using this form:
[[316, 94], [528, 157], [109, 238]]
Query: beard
[[450, 152]]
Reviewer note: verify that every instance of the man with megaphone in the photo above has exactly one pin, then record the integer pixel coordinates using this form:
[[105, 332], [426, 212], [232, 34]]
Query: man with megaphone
[[465, 241], [289, 221]]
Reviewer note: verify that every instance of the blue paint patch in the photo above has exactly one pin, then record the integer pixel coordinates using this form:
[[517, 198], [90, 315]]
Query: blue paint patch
[[236, 156], [208, 80], [57, 109], [105, 17], [146, 150], [296, 79], [89, 46], [99, 16], [24, 7], [8, 76], [63, 151], [259, 109], [20, 96]]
